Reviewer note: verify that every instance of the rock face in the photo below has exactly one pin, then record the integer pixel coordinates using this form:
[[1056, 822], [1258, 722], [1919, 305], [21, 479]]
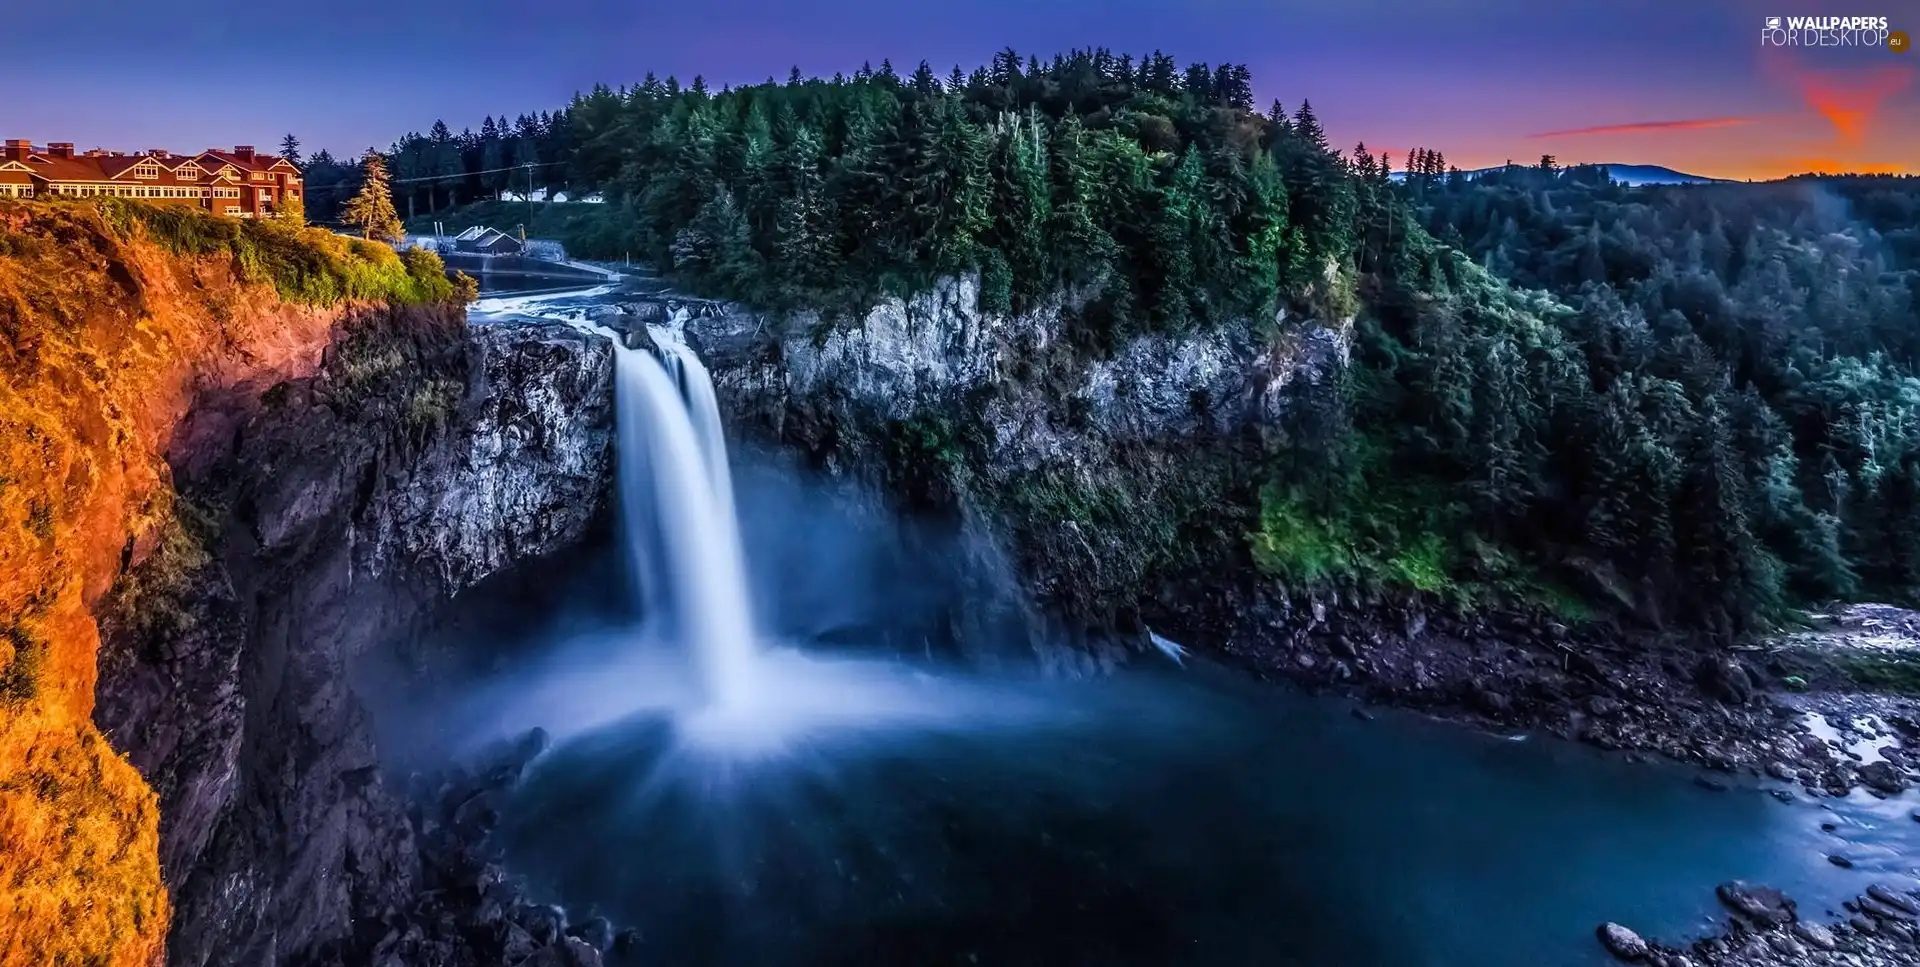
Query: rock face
[[345, 509], [1085, 465]]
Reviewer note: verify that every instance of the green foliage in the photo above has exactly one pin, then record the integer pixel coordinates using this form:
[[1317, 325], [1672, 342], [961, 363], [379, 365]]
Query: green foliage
[[371, 209], [307, 266], [1896, 674], [1171, 203], [153, 599]]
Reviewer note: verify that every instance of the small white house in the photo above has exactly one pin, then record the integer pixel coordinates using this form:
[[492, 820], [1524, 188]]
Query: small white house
[[559, 197]]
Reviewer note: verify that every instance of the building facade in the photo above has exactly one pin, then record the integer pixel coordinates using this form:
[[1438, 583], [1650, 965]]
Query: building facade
[[241, 183]]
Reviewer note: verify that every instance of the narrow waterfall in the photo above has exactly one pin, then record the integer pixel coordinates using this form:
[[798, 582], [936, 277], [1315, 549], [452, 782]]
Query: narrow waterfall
[[676, 498]]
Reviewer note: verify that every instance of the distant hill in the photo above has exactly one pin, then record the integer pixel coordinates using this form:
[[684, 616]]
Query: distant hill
[[1627, 174]]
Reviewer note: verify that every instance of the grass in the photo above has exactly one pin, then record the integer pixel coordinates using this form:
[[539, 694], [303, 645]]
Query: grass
[[308, 266]]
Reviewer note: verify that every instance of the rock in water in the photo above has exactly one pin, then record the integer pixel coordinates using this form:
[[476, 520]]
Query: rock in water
[[1883, 777], [1815, 935], [1763, 905], [597, 933], [1621, 942], [572, 952], [1894, 898]]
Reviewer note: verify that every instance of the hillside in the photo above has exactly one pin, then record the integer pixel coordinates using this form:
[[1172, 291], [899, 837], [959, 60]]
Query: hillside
[[117, 319], [1665, 451]]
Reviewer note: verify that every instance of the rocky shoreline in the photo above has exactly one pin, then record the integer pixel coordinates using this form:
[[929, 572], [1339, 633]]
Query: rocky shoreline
[[1751, 711], [1781, 714]]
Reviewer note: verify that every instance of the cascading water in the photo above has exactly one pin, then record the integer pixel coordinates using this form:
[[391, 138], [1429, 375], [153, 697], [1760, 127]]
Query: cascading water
[[676, 496], [757, 695]]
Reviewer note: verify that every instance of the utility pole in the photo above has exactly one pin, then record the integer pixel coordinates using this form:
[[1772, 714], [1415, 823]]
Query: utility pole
[[529, 198]]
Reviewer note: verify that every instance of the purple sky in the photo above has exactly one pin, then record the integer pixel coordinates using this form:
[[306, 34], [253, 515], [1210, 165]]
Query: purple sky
[[1479, 79]]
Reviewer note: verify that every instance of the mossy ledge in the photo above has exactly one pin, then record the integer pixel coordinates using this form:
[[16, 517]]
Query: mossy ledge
[[116, 318]]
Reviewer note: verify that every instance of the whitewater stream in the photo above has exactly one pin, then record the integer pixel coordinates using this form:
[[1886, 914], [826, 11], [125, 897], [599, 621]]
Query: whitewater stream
[[743, 789]]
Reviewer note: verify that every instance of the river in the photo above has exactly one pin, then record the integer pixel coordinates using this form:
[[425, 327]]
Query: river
[[880, 808]]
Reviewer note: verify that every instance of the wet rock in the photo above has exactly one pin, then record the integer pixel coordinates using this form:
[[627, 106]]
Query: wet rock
[[477, 813], [597, 933], [1785, 944], [571, 952], [1490, 702], [518, 944], [628, 942], [1814, 935], [547, 924], [1882, 911], [1782, 771], [1621, 942], [1862, 924], [1894, 898], [1725, 679], [1897, 930], [1604, 706], [1761, 905], [1840, 861], [1883, 777]]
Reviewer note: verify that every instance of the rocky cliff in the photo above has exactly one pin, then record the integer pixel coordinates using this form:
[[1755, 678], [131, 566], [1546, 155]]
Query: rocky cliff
[[336, 521], [1110, 475], [252, 450]]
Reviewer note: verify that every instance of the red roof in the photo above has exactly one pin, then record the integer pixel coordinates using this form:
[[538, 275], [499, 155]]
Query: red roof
[[66, 169], [260, 162]]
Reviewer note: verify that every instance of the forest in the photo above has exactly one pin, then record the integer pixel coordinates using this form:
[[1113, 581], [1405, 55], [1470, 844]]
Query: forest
[[1685, 406]]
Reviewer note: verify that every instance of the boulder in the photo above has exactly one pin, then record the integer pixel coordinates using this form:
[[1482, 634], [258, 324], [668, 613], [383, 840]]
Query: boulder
[[571, 952], [1725, 679], [597, 933], [1896, 899], [1621, 942], [1883, 777], [547, 924], [1814, 935], [1762, 905]]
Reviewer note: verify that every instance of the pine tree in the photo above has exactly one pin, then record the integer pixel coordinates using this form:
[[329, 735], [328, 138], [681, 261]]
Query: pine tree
[[290, 150], [371, 210]]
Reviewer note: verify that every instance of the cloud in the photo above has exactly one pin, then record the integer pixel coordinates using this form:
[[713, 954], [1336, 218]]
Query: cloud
[[1643, 127], [1850, 101]]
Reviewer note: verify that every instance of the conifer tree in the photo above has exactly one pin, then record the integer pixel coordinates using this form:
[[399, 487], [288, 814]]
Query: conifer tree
[[371, 210]]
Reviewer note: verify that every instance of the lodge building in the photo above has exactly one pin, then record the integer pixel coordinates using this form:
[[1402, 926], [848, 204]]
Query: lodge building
[[242, 183]]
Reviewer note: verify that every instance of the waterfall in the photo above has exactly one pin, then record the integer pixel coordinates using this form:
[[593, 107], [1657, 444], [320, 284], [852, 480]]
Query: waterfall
[[676, 498]]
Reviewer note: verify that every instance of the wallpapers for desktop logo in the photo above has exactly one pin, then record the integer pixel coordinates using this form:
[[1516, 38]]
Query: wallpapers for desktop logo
[[1833, 32]]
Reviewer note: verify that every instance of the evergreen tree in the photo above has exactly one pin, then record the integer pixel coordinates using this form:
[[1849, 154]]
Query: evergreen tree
[[290, 150], [371, 210]]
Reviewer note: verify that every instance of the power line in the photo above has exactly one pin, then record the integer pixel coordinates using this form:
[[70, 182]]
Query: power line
[[469, 174]]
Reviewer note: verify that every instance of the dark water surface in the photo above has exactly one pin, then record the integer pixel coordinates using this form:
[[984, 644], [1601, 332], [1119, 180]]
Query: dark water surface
[[1185, 822], [1159, 815]]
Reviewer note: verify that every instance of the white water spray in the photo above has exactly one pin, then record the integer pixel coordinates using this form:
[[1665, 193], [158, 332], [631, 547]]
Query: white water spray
[[676, 495], [756, 699]]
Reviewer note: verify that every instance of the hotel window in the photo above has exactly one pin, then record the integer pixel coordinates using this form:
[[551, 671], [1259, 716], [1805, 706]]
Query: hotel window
[[146, 171], [187, 173]]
